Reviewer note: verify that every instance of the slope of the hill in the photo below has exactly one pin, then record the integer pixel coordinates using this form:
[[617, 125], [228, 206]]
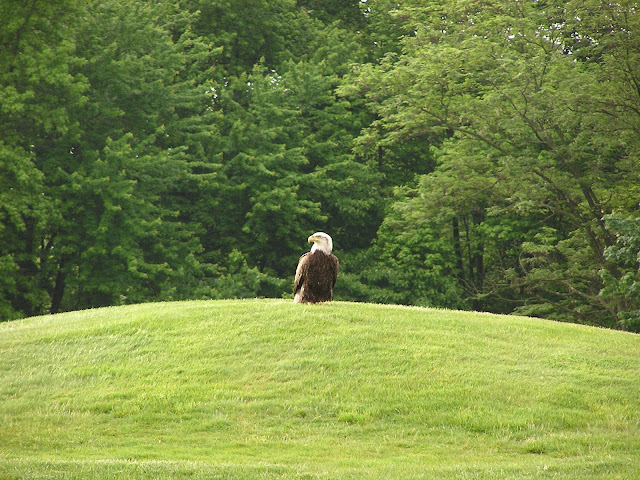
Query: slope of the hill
[[268, 389]]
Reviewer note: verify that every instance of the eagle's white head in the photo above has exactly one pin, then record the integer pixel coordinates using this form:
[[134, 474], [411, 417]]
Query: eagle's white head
[[321, 241]]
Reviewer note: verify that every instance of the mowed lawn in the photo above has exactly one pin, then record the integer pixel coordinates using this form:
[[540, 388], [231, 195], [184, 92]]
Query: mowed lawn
[[266, 389]]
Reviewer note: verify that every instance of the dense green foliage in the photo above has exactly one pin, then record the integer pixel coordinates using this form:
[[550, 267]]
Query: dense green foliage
[[462, 153], [245, 389]]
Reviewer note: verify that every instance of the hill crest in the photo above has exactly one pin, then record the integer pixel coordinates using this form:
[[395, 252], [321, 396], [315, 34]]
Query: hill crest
[[246, 388]]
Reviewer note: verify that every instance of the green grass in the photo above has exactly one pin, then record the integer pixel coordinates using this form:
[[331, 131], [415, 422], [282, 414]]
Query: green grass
[[270, 390]]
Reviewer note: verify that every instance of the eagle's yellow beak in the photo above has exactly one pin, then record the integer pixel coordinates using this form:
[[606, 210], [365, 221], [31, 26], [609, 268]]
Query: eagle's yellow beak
[[311, 239]]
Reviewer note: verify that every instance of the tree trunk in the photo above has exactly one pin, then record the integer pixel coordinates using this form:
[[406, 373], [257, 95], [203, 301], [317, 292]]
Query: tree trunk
[[58, 289], [457, 247]]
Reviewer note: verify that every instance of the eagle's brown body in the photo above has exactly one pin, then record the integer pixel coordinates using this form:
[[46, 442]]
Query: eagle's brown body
[[315, 277]]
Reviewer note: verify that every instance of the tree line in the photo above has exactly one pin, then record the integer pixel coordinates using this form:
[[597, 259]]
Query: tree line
[[462, 153]]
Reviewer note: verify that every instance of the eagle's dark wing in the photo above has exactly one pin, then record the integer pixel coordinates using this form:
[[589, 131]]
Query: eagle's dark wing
[[335, 272], [301, 272]]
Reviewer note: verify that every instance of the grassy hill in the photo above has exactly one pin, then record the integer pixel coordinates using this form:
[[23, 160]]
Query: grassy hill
[[271, 390]]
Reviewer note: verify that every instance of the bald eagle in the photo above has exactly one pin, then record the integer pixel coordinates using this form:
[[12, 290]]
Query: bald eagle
[[317, 272]]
